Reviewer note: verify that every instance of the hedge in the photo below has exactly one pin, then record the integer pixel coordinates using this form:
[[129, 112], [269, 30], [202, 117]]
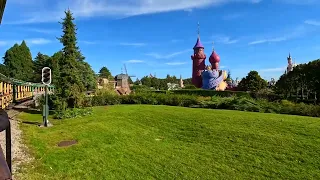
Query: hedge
[[215, 102], [207, 93]]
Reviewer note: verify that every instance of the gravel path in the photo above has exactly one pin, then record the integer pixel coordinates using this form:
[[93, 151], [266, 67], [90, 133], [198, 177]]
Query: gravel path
[[18, 149]]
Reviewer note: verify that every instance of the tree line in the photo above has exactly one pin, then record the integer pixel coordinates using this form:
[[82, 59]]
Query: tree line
[[303, 82], [161, 84]]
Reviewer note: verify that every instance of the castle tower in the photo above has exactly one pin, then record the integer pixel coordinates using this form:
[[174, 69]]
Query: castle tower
[[214, 59], [181, 82], [290, 64], [198, 62]]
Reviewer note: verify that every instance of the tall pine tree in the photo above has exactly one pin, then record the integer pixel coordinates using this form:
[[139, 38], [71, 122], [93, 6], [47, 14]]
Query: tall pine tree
[[69, 87]]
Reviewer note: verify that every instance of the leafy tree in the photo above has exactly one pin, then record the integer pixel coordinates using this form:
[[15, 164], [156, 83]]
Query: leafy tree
[[87, 76], [54, 65], [252, 82], [105, 73], [18, 62], [3, 70], [40, 62]]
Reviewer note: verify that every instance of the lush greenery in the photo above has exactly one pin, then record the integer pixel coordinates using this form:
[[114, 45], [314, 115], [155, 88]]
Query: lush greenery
[[105, 73], [301, 83], [252, 82], [162, 142], [243, 103], [71, 75], [206, 93], [160, 84], [17, 62]]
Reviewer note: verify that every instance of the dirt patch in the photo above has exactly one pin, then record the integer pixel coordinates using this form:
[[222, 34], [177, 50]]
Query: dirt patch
[[67, 143]]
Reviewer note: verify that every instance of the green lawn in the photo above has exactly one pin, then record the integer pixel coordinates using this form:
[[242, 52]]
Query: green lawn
[[162, 142]]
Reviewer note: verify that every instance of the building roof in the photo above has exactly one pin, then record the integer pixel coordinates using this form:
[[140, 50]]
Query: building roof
[[198, 44], [2, 7], [121, 76], [214, 58]]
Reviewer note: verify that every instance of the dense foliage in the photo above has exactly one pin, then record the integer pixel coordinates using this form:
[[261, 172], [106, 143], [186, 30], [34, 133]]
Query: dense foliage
[[301, 83], [252, 82], [105, 73], [215, 102], [18, 62], [161, 84]]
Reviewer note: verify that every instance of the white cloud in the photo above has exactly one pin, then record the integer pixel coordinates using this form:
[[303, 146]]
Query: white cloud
[[312, 22], [38, 41], [44, 31], [292, 33], [34, 41], [175, 63], [279, 39], [160, 56], [124, 8], [133, 44], [226, 40], [134, 61]]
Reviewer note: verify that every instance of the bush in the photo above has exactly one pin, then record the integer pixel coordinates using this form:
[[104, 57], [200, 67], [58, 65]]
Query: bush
[[241, 103], [207, 93], [72, 113], [190, 87]]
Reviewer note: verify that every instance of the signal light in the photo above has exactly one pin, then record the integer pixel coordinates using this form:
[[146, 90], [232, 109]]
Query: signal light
[[46, 76]]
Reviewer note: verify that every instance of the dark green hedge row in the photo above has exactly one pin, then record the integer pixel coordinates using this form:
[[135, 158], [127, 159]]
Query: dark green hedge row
[[216, 102], [206, 93]]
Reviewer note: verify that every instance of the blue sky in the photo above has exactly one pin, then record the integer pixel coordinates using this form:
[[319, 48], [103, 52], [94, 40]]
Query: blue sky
[[157, 36]]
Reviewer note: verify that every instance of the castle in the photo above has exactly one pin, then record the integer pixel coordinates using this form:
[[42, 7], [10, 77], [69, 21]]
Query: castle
[[290, 64], [207, 77]]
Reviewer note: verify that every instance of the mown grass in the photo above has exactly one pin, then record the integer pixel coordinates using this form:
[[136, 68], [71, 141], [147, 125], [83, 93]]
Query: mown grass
[[162, 142]]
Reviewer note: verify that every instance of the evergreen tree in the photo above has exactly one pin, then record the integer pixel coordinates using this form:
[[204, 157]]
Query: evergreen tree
[[105, 73], [12, 62], [40, 62], [54, 65], [69, 87], [18, 62], [26, 62], [3, 70]]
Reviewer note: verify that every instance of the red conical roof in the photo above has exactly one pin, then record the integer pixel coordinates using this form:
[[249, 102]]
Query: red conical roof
[[214, 58]]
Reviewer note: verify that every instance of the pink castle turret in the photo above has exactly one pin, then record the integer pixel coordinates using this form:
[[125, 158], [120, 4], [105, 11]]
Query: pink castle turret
[[214, 60], [198, 64]]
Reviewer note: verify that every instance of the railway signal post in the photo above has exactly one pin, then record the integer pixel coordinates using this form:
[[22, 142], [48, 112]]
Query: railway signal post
[[46, 80]]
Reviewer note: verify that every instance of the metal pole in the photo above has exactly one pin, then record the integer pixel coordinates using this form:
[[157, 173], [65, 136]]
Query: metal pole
[[8, 147], [46, 107]]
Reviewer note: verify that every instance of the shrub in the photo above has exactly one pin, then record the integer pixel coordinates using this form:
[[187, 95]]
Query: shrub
[[209, 93], [190, 87], [72, 113]]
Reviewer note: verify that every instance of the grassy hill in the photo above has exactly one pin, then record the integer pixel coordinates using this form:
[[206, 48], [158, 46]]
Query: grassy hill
[[162, 142]]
